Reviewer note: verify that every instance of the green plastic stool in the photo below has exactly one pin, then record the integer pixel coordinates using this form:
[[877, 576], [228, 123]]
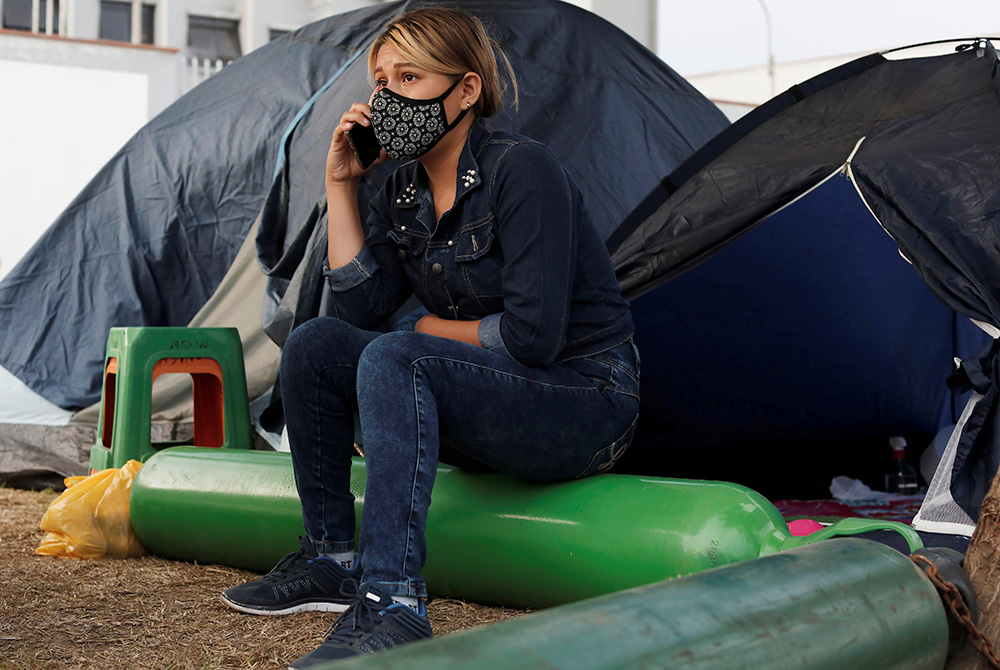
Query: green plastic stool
[[137, 356]]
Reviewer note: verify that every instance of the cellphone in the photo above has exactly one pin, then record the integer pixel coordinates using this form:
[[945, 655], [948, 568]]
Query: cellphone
[[364, 143]]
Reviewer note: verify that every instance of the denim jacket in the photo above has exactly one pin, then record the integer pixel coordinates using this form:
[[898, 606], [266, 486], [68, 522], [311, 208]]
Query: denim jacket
[[517, 250]]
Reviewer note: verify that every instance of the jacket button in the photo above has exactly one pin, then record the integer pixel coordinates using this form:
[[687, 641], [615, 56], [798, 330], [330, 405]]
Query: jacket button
[[437, 269], [401, 254]]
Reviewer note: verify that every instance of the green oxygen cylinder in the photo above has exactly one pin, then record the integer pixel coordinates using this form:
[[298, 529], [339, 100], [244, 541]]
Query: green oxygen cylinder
[[848, 603], [490, 538]]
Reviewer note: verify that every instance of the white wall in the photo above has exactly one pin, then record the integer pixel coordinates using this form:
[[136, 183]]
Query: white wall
[[176, 13], [320, 9], [69, 106], [752, 85], [84, 20], [76, 118], [635, 17], [740, 90], [256, 17], [264, 15]]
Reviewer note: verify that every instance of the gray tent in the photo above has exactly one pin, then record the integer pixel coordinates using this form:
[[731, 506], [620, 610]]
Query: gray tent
[[175, 228]]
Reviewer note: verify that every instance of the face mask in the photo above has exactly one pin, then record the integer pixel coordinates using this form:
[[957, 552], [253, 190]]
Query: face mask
[[408, 128]]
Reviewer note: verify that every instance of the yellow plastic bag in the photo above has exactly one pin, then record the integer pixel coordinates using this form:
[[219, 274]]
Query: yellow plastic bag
[[90, 519]]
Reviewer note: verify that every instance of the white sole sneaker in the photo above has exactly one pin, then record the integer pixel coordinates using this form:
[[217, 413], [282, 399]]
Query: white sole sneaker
[[303, 607]]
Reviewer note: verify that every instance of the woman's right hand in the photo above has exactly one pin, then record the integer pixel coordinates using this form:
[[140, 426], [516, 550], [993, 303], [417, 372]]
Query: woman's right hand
[[341, 163]]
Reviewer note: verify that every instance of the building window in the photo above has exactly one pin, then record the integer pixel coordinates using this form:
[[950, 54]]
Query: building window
[[116, 21], [275, 33], [215, 39], [17, 15], [148, 14]]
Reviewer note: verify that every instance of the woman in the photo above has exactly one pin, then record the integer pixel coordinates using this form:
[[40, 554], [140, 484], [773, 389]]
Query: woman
[[525, 363]]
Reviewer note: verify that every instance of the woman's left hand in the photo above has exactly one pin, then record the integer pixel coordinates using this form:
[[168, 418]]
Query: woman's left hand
[[463, 331]]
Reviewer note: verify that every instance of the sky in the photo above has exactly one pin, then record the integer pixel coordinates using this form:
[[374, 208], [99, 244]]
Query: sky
[[699, 36]]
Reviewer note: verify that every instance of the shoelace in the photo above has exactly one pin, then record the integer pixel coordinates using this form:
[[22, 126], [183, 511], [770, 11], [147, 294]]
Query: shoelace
[[290, 564], [358, 619]]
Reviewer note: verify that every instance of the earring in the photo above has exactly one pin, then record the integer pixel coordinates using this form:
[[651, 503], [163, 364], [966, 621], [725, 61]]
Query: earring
[[468, 104]]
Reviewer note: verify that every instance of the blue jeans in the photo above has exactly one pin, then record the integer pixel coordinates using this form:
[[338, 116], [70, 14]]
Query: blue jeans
[[422, 397]]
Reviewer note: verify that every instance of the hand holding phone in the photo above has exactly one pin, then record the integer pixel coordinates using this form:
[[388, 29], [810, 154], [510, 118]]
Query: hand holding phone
[[364, 143]]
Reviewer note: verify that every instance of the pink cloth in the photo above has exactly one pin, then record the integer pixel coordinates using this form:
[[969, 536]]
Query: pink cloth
[[801, 527]]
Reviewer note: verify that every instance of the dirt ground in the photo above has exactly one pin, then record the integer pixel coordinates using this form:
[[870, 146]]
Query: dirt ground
[[147, 612]]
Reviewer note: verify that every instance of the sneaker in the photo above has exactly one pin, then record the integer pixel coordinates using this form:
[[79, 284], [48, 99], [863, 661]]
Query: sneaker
[[300, 582], [373, 623]]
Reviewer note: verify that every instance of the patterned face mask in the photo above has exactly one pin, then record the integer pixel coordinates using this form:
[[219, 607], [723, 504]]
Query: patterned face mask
[[408, 128]]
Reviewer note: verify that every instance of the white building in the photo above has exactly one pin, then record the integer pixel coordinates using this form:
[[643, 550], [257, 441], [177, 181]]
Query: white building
[[80, 77], [738, 91]]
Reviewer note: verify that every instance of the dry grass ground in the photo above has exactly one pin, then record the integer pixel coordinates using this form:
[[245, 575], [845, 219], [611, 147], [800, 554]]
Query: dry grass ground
[[146, 612]]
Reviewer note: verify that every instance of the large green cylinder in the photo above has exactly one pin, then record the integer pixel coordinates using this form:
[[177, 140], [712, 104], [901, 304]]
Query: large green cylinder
[[490, 538], [837, 605]]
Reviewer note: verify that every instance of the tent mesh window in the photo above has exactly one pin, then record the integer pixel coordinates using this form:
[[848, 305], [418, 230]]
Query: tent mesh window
[[939, 512]]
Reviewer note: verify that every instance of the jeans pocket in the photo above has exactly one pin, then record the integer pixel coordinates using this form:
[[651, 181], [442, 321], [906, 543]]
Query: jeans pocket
[[623, 366], [606, 457], [635, 352]]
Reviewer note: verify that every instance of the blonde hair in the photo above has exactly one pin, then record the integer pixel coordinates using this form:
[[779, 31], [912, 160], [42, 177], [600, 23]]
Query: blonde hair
[[449, 42]]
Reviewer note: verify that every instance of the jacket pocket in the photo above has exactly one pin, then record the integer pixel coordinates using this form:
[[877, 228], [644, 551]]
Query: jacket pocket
[[474, 240], [407, 241], [479, 260]]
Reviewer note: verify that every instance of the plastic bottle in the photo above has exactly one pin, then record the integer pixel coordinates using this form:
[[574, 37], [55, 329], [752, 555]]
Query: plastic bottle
[[901, 478]]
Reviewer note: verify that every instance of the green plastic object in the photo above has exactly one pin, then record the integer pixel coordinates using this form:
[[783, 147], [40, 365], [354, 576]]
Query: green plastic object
[[848, 603], [490, 538], [136, 356]]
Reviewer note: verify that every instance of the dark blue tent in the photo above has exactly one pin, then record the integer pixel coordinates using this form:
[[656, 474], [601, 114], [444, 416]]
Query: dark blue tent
[[917, 140], [797, 350]]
